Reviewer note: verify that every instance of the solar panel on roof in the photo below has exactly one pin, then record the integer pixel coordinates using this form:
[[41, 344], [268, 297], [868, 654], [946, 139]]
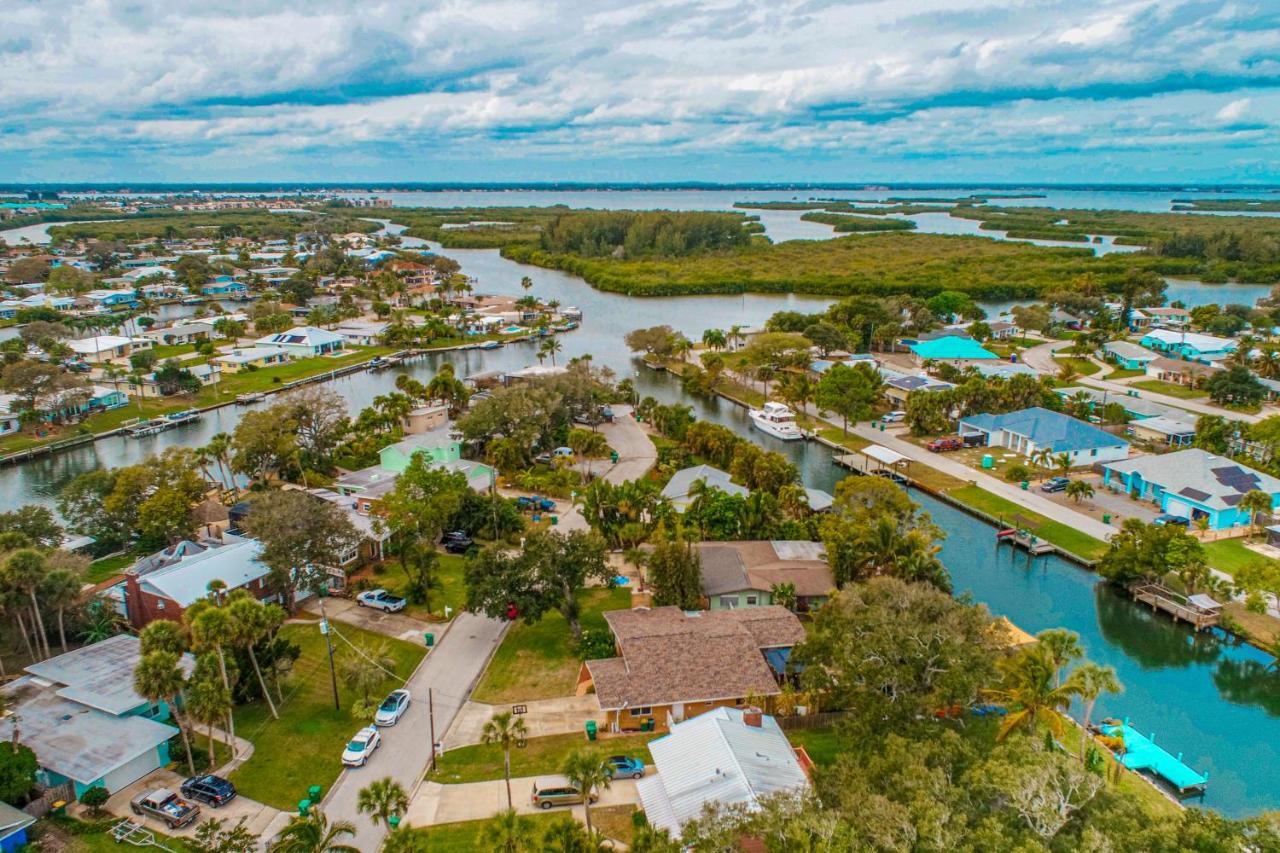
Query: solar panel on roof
[[1233, 500], [1194, 494]]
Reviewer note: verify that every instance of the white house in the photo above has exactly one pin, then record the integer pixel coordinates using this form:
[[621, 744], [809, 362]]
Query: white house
[[362, 333], [107, 347], [303, 342]]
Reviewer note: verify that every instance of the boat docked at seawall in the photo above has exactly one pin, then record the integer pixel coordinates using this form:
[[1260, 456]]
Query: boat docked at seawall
[[776, 420], [154, 426]]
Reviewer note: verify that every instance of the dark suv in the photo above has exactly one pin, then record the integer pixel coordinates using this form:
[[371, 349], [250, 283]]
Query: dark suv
[[1057, 484], [211, 790], [457, 542]]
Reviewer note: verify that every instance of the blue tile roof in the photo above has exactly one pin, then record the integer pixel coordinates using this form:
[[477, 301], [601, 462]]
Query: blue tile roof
[[951, 347], [1047, 429]]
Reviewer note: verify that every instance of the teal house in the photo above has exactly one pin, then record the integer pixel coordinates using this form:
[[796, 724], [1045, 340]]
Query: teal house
[[1192, 484], [438, 444], [951, 348], [443, 450], [80, 715]]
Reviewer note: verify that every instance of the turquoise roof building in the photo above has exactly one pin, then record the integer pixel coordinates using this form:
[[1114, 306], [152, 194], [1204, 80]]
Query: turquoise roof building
[[951, 348]]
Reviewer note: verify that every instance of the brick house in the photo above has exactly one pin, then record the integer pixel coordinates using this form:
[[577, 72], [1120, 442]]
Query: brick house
[[166, 583]]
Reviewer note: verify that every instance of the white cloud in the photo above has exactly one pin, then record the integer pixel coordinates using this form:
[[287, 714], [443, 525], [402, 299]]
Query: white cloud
[[1235, 110]]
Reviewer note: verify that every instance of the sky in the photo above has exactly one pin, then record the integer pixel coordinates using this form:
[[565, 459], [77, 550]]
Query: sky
[[640, 90]]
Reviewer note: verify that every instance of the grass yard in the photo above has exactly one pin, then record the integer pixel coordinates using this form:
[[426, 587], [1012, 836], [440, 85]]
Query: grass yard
[[1082, 366], [100, 570], [1262, 629], [304, 747], [464, 837], [836, 435], [614, 822], [1062, 535], [163, 351], [1230, 555], [538, 661], [822, 744], [1124, 373], [541, 756], [75, 836], [452, 591], [1169, 389]]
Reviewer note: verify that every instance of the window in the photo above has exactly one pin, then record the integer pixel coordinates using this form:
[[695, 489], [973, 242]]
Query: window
[[1093, 452], [728, 602], [751, 599], [159, 604], [640, 712]]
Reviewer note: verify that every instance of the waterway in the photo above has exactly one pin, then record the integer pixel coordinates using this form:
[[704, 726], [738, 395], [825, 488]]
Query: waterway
[[1213, 700]]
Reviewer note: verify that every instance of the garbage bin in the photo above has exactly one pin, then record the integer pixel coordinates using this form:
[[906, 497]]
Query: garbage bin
[[613, 457], [555, 519], [591, 729], [987, 462], [1024, 485], [429, 638], [304, 806], [313, 793], [59, 808], [537, 516], [1106, 518], [393, 821]]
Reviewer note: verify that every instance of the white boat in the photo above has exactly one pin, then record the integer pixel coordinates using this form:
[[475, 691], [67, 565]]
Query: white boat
[[776, 420]]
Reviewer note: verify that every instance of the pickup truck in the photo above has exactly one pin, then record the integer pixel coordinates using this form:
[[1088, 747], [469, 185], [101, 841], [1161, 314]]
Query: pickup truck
[[942, 445], [380, 599], [167, 806]]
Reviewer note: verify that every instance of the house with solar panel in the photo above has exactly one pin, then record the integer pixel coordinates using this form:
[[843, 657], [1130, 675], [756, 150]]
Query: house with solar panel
[[1192, 484], [303, 342]]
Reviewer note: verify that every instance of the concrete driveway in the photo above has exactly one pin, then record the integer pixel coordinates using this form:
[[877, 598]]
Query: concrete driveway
[[396, 625], [544, 717], [438, 803], [257, 816]]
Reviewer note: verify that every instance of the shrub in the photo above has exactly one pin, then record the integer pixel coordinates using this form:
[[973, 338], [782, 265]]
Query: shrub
[[94, 799]]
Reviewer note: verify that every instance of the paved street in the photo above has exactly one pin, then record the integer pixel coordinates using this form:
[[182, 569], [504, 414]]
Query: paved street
[[451, 670]]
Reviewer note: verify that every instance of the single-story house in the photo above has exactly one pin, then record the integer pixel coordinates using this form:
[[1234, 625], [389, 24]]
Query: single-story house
[[363, 333], [1190, 345], [1169, 432], [208, 374], [899, 386], [107, 300], [1127, 355], [303, 342], [1028, 430], [224, 286], [1193, 484], [249, 359], [1168, 316], [1058, 317], [1003, 369], [80, 715], [744, 574], [1180, 372], [725, 757], [181, 333], [1002, 330], [102, 348], [953, 348], [13, 829], [150, 272], [673, 665], [1136, 408], [678, 487]]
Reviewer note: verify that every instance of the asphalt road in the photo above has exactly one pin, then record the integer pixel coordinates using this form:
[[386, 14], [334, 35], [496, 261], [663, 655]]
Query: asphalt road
[[450, 671]]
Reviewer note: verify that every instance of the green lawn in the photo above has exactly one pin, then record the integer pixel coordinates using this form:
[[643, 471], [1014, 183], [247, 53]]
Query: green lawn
[[162, 351], [1230, 555], [849, 442], [541, 756], [1123, 373], [1083, 366], [1169, 389], [304, 747], [464, 837], [823, 745], [100, 570], [452, 591], [538, 661], [1062, 535]]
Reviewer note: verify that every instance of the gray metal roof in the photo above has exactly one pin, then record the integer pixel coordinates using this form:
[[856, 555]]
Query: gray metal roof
[[99, 676], [677, 488], [1215, 481], [1126, 349], [186, 579]]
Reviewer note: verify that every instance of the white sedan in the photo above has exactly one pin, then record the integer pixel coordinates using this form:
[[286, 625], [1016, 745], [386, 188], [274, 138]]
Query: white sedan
[[392, 708], [361, 747], [380, 599]]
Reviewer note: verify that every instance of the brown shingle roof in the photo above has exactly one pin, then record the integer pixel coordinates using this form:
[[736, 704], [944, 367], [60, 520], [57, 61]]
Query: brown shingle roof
[[735, 566], [669, 656]]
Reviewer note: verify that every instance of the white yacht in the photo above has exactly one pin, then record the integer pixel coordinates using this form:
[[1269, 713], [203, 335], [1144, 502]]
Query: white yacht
[[776, 420]]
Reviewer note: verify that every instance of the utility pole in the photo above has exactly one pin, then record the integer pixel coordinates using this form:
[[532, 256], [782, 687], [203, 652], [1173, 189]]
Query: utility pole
[[431, 712], [328, 641]]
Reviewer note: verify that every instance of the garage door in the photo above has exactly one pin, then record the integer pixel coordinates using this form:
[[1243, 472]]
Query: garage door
[[126, 774], [1178, 508]]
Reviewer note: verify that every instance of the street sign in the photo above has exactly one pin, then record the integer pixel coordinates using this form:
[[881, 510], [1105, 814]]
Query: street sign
[[519, 709]]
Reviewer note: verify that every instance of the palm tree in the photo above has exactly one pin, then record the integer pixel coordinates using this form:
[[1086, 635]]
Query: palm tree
[[1028, 691], [587, 772], [407, 839], [60, 590], [526, 283], [734, 336], [505, 730], [212, 629], [163, 635], [1078, 490], [1257, 503], [209, 703], [158, 677], [1062, 464], [550, 346], [509, 832], [713, 339], [314, 834], [252, 621], [1090, 681], [381, 800], [24, 571], [1062, 647], [1041, 458]]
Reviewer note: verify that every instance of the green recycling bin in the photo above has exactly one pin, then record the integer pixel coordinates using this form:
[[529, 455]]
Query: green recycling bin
[[1106, 518], [393, 821], [613, 457], [304, 806], [1024, 485], [555, 519], [591, 729], [429, 638], [313, 793]]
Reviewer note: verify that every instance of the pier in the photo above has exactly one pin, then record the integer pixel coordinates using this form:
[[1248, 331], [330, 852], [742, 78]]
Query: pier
[[1200, 611], [1025, 540], [1141, 754]]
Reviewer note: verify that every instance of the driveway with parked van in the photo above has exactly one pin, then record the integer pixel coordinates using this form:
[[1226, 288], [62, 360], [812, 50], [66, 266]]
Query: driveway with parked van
[[437, 803]]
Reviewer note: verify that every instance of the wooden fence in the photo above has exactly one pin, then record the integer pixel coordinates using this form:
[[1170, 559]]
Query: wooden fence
[[810, 721]]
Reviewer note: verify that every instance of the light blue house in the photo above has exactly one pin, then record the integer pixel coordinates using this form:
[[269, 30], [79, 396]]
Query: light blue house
[[1030, 430], [1127, 355], [224, 285], [951, 348], [1190, 345], [1192, 484], [80, 715]]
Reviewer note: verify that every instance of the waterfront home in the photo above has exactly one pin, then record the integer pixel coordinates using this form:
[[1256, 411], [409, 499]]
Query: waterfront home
[[103, 348], [208, 374], [1127, 356], [1028, 430], [899, 386], [1164, 431], [1180, 372], [1002, 330], [275, 274], [1003, 369], [681, 483], [79, 714], [725, 758], [744, 574], [303, 342], [251, 359], [1169, 316], [443, 449], [362, 333], [162, 290], [105, 301], [1190, 345], [672, 664], [952, 348], [179, 334], [224, 286], [1193, 484]]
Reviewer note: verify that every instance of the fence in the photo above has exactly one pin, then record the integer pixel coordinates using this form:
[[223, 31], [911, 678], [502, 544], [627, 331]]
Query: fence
[[43, 804], [810, 721]]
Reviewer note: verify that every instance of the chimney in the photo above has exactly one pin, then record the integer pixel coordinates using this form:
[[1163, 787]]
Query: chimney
[[753, 717]]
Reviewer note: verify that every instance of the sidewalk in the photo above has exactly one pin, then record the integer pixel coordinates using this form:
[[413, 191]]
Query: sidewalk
[[543, 717]]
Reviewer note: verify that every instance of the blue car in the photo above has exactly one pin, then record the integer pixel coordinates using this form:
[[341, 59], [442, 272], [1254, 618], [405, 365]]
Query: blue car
[[618, 766]]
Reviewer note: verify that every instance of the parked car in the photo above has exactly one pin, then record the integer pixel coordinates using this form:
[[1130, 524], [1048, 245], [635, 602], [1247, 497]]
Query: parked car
[[1178, 520], [361, 747], [895, 417], [457, 542], [1057, 484], [943, 445], [618, 766], [165, 805], [563, 795], [536, 503], [392, 708], [210, 790], [380, 599]]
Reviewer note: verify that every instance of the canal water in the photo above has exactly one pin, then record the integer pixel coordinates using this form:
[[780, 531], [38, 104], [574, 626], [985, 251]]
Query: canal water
[[1215, 701]]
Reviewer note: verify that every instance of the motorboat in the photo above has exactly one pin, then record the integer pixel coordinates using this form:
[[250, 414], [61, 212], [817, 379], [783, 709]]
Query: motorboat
[[776, 420]]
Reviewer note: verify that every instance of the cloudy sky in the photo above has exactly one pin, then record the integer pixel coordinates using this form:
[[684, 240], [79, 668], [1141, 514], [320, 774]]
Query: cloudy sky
[[640, 90]]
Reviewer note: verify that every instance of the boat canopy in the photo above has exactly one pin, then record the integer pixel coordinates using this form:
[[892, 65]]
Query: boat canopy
[[883, 454]]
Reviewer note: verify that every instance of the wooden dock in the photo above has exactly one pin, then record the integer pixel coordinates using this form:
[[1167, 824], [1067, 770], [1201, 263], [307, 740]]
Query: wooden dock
[[1201, 612]]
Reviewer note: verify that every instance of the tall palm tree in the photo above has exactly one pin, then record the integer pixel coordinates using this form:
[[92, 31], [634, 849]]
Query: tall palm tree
[[505, 730], [1257, 503], [1062, 647], [314, 834], [550, 346], [158, 677], [23, 572], [1090, 681], [251, 622], [1028, 690], [407, 839], [208, 703], [212, 629], [1042, 458], [586, 771], [526, 283], [163, 635], [381, 800], [60, 590], [509, 832]]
